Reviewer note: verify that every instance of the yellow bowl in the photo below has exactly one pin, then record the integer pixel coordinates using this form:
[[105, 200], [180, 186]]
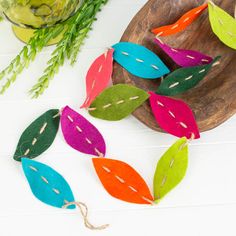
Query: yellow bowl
[[38, 13], [25, 35]]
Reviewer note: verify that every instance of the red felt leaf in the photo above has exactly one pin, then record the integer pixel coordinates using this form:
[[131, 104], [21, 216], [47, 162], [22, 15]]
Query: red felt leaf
[[174, 116], [182, 23], [122, 181], [98, 76]]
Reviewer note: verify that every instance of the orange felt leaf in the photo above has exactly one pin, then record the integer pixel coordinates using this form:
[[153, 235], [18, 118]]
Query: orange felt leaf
[[122, 181], [182, 23]]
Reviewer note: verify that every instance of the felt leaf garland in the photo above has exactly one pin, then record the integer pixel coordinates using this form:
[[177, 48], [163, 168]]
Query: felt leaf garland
[[184, 58], [117, 102], [121, 181], [39, 136], [174, 116], [46, 184], [98, 76], [80, 134], [171, 169], [139, 60], [182, 23], [184, 79], [223, 25]]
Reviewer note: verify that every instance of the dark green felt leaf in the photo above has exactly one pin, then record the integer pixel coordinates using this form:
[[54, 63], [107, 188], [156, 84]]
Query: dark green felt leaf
[[117, 102], [184, 79], [39, 136]]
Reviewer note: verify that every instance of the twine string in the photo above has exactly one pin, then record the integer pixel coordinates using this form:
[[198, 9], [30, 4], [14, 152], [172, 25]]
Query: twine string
[[84, 212], [211, 2], [100, 155], [59, 113], [235, 11], [187, 142]]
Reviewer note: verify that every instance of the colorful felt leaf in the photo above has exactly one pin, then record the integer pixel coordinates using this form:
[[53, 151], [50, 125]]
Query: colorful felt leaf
[[184, 58], [39, 136], [98, 76], [171, 169], [80, 134], [174, 116], [46, 184], [121, 181], [182, 23], [117, 102], [139, 60], [223, 25], [184, 79]]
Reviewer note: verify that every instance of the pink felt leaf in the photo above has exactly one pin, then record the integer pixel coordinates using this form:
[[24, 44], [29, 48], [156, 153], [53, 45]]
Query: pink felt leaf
[[98, 76], [174, 116], [80, 134], [184, 58]]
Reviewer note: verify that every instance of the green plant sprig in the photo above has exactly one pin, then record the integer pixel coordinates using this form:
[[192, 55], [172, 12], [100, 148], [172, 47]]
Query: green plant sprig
[[75, 29], [27, 54], [21, 61], [78, 28]]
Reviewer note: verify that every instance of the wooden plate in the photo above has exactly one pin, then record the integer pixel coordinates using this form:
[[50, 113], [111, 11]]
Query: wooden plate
[[214, 100]]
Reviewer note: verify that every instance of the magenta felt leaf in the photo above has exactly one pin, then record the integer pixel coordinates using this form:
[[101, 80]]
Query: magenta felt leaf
[[174, 116], [98, 76], [184, 58], [80, 134]]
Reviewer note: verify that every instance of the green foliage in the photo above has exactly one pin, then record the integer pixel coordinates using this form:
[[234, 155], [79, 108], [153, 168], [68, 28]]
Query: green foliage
[[27, 54], [77, 29]]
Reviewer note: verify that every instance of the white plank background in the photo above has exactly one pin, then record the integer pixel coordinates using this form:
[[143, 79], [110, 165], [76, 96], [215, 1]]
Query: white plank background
[[203, 204]]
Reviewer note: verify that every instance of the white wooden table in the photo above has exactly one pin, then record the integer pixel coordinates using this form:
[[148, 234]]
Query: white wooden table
[[203, 204]]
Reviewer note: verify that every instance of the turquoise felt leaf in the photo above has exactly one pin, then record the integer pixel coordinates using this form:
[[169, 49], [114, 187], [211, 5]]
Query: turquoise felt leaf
[[139, 60], [46, 184]]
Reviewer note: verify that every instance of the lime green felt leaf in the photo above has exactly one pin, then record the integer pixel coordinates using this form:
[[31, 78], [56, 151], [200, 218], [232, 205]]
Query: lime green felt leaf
[[39, 136], [223, 25], [171, 169], [117, 102], [184, 79]]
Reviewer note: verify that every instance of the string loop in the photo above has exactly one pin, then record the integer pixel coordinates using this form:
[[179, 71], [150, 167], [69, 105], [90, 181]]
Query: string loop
[[84, 212]]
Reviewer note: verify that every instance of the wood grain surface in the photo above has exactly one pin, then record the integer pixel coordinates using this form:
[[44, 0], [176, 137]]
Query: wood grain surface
[[213, 101]]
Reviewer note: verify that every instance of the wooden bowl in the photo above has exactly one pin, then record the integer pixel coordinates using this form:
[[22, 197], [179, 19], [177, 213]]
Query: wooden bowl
[[214, 100]]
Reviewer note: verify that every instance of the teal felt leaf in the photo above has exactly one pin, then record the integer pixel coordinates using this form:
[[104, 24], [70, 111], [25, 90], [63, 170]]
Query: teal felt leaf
[[139, 60], [171, 169], [46, 184], [39, 136], [117, 102], [184, 79]]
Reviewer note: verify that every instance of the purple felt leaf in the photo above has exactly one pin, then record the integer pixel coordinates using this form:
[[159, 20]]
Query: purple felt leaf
[[184, 58], [80, 134]]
